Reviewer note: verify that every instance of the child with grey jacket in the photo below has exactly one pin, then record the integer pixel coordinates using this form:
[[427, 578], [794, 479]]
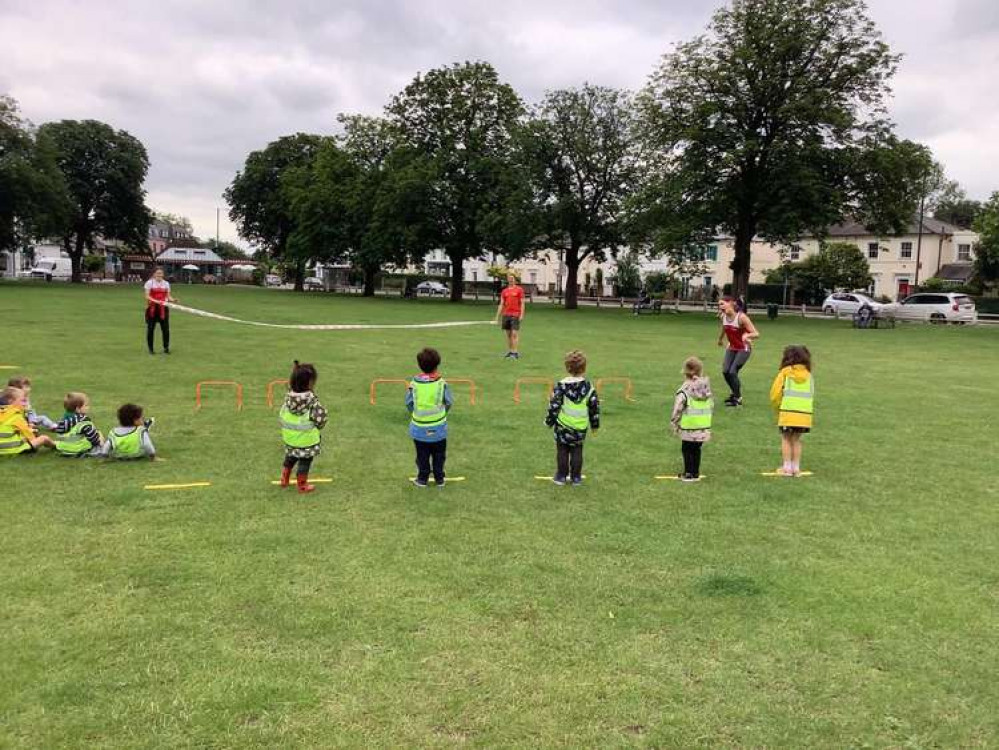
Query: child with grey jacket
[[690, 419]]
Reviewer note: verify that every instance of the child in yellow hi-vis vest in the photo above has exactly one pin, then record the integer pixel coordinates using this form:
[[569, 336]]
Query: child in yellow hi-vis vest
[[130, 439], [16, 435], [302, 416], [573, 410], [428, 400], [792, 395], [691, 417]]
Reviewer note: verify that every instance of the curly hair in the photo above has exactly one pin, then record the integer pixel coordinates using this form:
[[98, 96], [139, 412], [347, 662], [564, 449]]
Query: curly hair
[[303, 377], [796, 355], [575, 362]]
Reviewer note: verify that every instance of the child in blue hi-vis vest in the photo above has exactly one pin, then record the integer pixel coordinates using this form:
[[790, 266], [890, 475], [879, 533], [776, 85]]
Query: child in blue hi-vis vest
[[691, 417], [302, 416], [428, 400], [573, 410]]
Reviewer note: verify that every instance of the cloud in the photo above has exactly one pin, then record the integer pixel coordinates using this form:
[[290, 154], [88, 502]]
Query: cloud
[[202, 84]]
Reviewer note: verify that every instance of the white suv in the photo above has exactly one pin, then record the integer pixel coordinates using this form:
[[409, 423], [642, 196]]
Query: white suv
[[849, 302], [938, 307]]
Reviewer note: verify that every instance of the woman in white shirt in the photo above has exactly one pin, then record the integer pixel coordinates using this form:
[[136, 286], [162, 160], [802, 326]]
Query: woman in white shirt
[[157, 295]]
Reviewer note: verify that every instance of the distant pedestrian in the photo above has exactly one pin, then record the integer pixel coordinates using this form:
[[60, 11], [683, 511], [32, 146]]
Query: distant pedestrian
[[157, 291], [511, 311], [736, 335]]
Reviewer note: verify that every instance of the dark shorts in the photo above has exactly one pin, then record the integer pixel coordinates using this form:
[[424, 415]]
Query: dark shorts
[[511, 323], [795, 430]]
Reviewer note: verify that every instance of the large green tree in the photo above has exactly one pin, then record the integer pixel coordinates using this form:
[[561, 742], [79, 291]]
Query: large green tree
[[459, 122], [760, 126], [260, 206], [103, 170], [579, 149], [837, 265], [33, 198], [987, 249]]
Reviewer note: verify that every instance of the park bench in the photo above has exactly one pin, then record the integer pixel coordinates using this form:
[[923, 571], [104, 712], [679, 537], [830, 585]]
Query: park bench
[[654, 306], [867, 318]]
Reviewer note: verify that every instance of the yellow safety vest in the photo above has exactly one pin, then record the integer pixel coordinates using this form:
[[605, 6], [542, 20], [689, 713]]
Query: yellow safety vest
[[428, 403], [74, 442], [798, 397], [12, 442], [297, 430], [697, 414], [575, 414], [128, 445]]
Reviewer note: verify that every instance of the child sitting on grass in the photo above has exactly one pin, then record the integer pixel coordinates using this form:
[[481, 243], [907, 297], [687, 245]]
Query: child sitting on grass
[[691, 417], [130, 439], [16, 435], [792, 395], [76, 434], [428, 400], [302, 416], [34, 419], [574, 408]]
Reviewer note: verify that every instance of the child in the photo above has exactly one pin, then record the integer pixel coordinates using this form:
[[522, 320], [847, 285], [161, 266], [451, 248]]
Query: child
[[130, 439], [16, 435], [574, 408], [428, 400], [76, 433], [691, 417], [302, 417], [792, 395], [34, 419]]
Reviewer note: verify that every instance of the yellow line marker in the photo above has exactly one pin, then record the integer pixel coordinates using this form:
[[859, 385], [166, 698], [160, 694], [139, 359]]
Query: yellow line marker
[[318, 480], [189, 485], [10, 367], [548, 479], [446, 479], [675, 477], [778, 474]]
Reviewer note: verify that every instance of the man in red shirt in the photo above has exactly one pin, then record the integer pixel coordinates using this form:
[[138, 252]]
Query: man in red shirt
[[511, 309]]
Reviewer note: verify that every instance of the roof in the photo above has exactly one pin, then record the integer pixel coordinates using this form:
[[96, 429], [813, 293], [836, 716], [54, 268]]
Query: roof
[[956, 272], [188, 255], [856, 229], [138, 258]]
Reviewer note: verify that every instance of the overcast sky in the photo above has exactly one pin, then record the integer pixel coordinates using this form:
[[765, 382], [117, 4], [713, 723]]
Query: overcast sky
[[202, 83]]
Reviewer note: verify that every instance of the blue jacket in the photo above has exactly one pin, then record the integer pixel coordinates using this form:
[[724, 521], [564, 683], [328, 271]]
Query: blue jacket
[[429, 434]]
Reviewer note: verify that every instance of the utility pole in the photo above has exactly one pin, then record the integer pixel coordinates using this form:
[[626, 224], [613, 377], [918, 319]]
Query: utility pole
[[919, 237], [217, 229]]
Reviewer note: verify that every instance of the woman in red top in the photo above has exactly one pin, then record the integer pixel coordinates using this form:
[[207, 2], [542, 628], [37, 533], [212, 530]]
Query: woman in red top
[[157, 294], [736, 334], [511, 307]]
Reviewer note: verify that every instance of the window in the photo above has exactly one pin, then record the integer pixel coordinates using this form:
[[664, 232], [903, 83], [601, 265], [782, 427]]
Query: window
[[707, 282], [711, 253], [964, 252], [163, 233], [906, 250], [872, 250], [199, 252], [795, 253], [534, 277]]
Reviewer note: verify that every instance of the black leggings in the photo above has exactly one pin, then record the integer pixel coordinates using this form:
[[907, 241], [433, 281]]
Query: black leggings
[[151, 329], [733, 362], [304, 464], [691, 457], [569, 461]]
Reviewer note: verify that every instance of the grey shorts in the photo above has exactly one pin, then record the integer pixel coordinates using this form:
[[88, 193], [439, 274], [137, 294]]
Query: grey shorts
[[511, 323]]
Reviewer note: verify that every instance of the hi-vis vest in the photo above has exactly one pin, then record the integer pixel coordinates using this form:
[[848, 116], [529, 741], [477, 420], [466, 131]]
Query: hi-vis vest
[[428, 403], [697, 415], [575, 414], [128, 445], [797, 396], [74, 442], [297, 430], [12, 442]]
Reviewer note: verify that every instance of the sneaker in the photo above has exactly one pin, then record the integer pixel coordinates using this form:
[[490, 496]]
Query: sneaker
[[577, 482], [166, 351], [733, 402], [508, 355], [440, 484], [560, 481], [515, 355], [149, 422], [418, 483], [689, 478], [304, 489]]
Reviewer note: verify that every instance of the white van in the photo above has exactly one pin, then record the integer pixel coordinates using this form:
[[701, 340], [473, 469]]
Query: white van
[[52, 268]]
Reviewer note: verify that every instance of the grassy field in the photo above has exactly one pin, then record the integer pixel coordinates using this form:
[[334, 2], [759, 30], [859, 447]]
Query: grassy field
[[855, 608]]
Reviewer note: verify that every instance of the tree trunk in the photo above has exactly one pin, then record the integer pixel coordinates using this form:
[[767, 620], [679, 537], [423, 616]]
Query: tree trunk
[[370, 275], [457, 276], [300, 276], [743, 253], [572, 277], [76, 258]]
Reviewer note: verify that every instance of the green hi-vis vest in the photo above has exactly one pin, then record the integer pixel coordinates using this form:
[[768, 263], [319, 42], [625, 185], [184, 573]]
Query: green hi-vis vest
[[575, 414], [128, 445], [74, 442], [797, 396], [11, 441], [428, 403], [697, 415], [297, 430]]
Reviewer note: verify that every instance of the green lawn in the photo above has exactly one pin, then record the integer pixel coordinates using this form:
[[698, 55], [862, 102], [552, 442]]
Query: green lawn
[[855, 608]]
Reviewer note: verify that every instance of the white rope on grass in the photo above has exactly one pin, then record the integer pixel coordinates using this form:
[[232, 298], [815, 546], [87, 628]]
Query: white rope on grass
[[328, 326]]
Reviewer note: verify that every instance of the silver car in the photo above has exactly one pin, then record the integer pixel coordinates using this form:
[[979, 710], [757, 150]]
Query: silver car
[[938, 307], [847, 303]]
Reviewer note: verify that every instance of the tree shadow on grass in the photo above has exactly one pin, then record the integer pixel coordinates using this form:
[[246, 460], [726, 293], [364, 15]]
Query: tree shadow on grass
[[728, 585]]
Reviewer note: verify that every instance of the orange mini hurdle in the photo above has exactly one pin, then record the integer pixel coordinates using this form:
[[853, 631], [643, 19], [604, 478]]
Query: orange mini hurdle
[[270, 390], [524, 381], [472, 388], [629, 389], [199, 384], [373, 389]]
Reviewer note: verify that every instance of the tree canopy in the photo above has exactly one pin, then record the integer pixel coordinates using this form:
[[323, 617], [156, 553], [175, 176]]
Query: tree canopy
[[987, 249]]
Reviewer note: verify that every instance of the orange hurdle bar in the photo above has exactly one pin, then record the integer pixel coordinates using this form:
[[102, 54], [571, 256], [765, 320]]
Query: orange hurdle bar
[[524, 381], [469, 382], [629, 389], [372, 390], [239, 392], [270, 390]]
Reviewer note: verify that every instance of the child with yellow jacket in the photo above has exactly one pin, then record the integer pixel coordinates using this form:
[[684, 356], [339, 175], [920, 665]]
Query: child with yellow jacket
[[792, 396]]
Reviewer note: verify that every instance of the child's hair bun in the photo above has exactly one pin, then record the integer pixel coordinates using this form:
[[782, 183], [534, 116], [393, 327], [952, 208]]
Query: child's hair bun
[[295, 362]]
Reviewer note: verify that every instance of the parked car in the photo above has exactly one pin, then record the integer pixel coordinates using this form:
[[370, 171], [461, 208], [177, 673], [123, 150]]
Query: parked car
[[313, 282], [847, 303], [938, 307], [432, 288], [52, 268], [272, 279]]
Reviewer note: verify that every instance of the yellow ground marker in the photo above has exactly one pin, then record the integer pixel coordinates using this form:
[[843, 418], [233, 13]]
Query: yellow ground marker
[[318, 480], [446, 479], [10, 367], [548, 479], [779, 474], [676, 478], [188, 485]]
